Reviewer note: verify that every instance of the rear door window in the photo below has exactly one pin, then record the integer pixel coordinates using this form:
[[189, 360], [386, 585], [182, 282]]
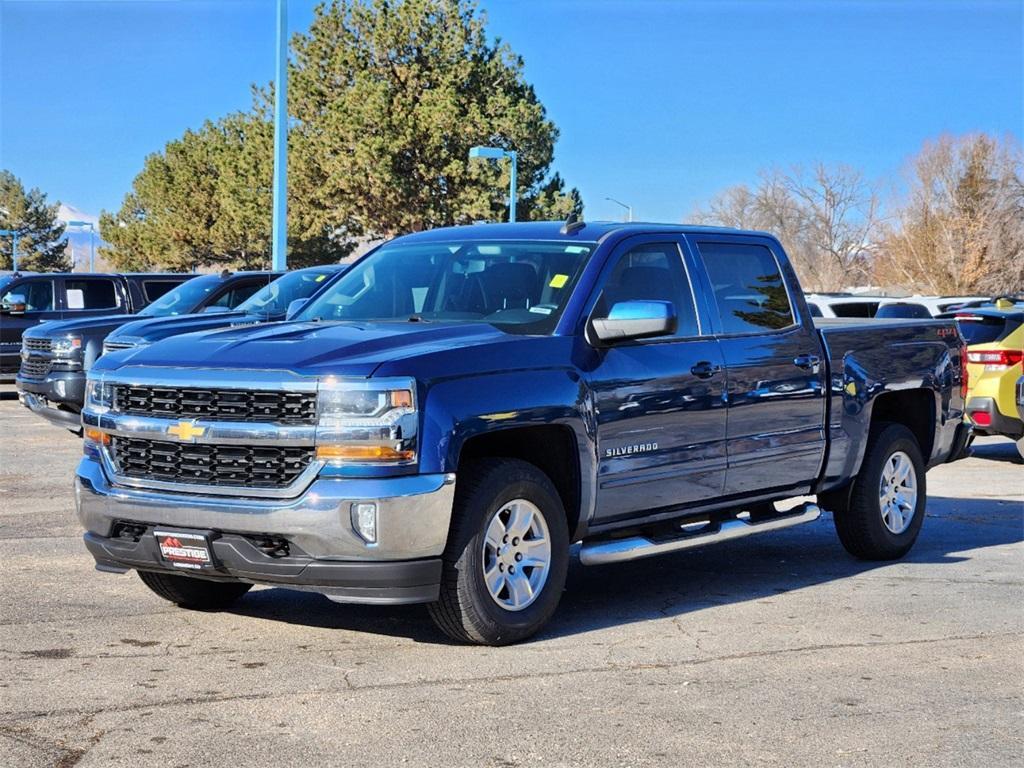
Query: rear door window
[[748, 287], [91, 293]]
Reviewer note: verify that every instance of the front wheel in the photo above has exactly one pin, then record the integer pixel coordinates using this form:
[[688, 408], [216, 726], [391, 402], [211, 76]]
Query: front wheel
[[881, 516], [507, 555]]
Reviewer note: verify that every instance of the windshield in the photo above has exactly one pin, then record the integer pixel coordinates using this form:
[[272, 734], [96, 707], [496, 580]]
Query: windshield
[[519, 287], [273, 299], [4, 280], [183, 299]]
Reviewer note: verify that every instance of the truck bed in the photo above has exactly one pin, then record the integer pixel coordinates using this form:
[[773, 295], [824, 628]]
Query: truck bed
[[868, 359]]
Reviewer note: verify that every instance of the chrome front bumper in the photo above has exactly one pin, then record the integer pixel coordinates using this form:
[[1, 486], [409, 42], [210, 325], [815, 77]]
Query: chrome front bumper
[[414, 513], [41, 407]]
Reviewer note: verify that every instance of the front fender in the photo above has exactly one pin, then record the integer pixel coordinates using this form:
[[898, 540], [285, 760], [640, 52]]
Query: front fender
[[457, 410]]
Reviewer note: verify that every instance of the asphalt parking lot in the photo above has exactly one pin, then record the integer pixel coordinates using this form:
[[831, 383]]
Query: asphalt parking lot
[[779, 650]]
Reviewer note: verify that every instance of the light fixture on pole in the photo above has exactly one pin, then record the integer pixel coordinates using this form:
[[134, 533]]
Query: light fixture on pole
[[279, 227], [13, 234], [92, 240], [497, 153], [629, 208]]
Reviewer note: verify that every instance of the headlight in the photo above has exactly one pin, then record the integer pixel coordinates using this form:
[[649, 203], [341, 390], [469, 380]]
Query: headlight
[[99, 397], [65, 346], [366, 421]]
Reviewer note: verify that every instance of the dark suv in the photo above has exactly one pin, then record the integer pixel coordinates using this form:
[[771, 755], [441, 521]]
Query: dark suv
[[27, 299], [56, 356]]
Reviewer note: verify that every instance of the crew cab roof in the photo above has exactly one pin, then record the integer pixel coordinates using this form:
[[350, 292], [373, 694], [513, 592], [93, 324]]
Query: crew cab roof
[[590, 231]]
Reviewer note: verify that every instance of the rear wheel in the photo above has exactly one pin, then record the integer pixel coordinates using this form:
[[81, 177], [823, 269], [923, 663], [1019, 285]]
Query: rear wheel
[[880, 515], [507, 554], [194, 593]]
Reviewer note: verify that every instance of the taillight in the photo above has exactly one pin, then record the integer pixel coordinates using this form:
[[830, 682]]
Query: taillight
[[996, 358], [963, 372]]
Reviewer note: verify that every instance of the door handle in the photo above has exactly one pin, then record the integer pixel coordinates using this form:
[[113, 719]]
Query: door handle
[[704, 369], [807, 362]]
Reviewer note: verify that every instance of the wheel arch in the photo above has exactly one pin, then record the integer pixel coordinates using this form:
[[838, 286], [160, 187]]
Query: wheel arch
[[552, 448]]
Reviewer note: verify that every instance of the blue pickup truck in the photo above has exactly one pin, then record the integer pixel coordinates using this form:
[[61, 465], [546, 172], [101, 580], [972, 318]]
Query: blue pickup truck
[[463, 405]]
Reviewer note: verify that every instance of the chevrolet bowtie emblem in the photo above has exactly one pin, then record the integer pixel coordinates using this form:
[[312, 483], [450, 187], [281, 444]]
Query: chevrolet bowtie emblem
[[186, 430]]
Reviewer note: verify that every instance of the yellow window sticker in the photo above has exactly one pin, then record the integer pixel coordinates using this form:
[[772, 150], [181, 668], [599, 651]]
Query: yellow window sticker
[[559, 281], [320, 278]]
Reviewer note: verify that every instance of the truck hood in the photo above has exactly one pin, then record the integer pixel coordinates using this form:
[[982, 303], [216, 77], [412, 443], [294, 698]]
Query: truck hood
[[312, 349], [86, 327], [150, 329]]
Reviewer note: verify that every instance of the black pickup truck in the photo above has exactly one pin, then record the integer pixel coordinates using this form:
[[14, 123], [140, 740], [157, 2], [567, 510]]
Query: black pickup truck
[[56, 356], [462, 405], [30, 298]]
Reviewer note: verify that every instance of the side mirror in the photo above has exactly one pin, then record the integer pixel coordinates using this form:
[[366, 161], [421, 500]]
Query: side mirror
[[294, 307], [214, 309], [14, 304], [636, 320]]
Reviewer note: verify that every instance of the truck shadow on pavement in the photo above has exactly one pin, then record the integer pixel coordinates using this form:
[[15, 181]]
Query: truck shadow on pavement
[[997, 451], [754, 569]]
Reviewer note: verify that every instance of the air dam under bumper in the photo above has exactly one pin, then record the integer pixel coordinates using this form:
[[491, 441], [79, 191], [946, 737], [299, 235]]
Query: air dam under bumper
[[327, 556]]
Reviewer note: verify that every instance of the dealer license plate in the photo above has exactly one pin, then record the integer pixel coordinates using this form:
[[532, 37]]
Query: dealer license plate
[[184, 550]]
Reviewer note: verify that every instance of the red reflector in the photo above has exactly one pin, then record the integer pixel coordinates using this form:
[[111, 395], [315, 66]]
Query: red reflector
[[981, 418]]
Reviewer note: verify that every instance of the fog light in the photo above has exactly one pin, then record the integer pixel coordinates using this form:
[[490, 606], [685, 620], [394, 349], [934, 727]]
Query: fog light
[[61, 388], [364, 520]]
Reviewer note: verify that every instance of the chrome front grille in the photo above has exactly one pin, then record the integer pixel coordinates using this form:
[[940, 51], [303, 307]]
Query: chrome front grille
[[216, 404], [36, 345], [239, 466], [35, 367]]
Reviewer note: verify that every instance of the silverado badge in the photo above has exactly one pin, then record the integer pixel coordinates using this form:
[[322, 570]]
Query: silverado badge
[[186, 430]]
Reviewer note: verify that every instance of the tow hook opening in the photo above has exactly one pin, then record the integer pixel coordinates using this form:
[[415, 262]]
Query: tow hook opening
[[271, 546], [133, 531]]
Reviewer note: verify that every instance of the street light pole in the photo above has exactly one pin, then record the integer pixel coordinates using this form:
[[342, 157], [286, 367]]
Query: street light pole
[[629, 208], [497, 153], [13, 233], [92, 240], [279, 228]]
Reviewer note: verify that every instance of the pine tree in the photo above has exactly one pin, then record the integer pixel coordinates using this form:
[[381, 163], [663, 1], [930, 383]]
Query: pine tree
[[41, 240], [386, 98]]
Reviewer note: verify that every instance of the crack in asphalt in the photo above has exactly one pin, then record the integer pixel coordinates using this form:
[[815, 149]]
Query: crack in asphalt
[[348, 686]]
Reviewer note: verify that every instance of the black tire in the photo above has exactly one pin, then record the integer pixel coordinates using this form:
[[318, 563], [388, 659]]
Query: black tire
[[194, 593], [465, 611], [857, 511]]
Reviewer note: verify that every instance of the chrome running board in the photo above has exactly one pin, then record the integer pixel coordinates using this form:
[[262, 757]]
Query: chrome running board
[[634, 547]]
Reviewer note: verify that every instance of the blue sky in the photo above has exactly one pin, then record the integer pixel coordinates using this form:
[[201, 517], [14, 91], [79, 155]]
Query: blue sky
[[660, 104]]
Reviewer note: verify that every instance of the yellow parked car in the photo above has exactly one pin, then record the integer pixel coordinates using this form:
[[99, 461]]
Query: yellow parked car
[[995, 351]]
